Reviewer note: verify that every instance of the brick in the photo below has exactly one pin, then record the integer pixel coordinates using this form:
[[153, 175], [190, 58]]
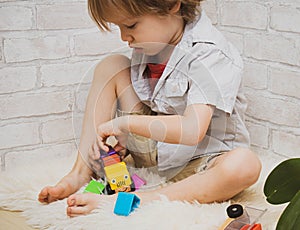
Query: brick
[[63, 16], [1, 51], [98, 43], [285, 18], [236, 39], [16, 79], [26, 105], [274, 110], [211, 10], [41, 156], [259, 135], [2, 165], [15, 18], [14, 135], [286, 143], [272, 47], [81, 97], [285, 82], [57, 130], [244, 14], [66, 74], [255, 75], [28, 49]]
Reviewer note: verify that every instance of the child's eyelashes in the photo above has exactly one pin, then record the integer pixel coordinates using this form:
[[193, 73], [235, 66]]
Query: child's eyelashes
[[132, 26]]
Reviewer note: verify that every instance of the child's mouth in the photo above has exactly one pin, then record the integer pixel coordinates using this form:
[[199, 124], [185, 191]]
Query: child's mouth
[[138, 50]]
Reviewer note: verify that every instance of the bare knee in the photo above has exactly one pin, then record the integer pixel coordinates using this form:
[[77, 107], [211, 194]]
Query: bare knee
[[243, 167], [111, 67]]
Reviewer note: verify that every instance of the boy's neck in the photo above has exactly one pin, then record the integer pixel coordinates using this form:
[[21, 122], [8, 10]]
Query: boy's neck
[[166, 53], [163, 56]]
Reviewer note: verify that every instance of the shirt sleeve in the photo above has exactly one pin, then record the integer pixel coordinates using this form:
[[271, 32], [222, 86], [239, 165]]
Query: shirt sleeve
[[214, 79]]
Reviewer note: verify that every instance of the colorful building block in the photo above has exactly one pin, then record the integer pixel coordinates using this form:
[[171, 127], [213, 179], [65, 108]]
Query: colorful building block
[[138, 182], [126, 203], [94, 187], [118, 176]]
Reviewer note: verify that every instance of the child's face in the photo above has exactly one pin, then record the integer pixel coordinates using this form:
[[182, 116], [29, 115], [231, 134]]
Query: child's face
[[150, 34]]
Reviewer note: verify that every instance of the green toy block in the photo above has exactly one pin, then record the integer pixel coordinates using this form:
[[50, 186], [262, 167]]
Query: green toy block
[[94, 187]]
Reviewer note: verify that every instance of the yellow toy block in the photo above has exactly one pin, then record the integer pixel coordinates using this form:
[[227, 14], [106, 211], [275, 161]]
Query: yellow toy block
[[118, 177]]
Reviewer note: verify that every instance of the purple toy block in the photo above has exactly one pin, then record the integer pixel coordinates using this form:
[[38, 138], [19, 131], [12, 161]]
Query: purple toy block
[[138, 182]]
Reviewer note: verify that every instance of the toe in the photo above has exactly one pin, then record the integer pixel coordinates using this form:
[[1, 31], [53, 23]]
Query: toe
[[71, 201], [78, 199], [43, 196], [77, 211]]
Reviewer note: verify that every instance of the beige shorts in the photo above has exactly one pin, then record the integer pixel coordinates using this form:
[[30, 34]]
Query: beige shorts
[[198, 165], [142, 152]]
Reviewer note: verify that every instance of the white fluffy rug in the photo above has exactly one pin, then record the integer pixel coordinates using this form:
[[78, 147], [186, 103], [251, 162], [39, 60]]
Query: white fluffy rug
[[19, 190]]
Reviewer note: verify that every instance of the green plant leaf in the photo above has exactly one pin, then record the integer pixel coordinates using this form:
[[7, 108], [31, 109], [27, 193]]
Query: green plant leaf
[[290, 218], [283, 182]]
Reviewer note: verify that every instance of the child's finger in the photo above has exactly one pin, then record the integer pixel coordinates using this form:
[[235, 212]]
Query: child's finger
[[118, 147], [96, 151], [95, 165], [102, 144], [92, 155], [123, 153]]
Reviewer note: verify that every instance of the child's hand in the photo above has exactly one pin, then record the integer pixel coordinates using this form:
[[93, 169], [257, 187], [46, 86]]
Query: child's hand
[[94, 156], [112, 128]]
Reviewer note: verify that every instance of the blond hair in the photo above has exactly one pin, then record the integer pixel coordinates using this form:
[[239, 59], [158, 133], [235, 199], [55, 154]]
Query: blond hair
[[100, 9]]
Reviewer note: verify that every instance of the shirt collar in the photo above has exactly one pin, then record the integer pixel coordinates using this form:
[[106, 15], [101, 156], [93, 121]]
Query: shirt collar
[[200, 30]]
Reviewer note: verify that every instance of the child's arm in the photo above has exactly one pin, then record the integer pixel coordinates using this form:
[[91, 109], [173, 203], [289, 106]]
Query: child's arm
[[188, 129]]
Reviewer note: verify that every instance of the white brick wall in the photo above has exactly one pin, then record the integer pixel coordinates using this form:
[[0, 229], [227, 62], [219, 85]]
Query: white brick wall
[[47, 46], [96, 43], [247, 14], [16, 18], [29, 49], [34, 104], [12, 81], [65, 73], [273, 47], [63, 16], [19, 134], [282, 16]]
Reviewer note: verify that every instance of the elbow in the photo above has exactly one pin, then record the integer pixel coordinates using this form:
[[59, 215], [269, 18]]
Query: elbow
[[193, 138], [191, 143]]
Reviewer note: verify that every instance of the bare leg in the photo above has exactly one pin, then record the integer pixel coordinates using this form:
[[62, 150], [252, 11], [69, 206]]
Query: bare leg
[[111, 81], [229, 174]]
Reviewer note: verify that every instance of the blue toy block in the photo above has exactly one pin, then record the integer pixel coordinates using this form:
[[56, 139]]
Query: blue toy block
[[126, 203]]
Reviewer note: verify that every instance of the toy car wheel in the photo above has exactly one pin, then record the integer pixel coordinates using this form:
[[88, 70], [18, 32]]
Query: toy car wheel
[[235, 210]]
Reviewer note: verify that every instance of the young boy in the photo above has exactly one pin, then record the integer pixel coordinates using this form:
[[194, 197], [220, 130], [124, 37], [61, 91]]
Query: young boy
[[189, 76]]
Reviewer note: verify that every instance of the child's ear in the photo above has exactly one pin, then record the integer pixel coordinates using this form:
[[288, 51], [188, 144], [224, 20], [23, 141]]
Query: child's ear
[[175, 8]]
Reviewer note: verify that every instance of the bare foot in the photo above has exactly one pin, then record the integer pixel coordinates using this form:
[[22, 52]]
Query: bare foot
[[82, 204], [67, 186]]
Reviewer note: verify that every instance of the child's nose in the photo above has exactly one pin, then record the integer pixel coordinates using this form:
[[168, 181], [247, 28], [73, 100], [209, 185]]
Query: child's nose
[[126, 37]]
